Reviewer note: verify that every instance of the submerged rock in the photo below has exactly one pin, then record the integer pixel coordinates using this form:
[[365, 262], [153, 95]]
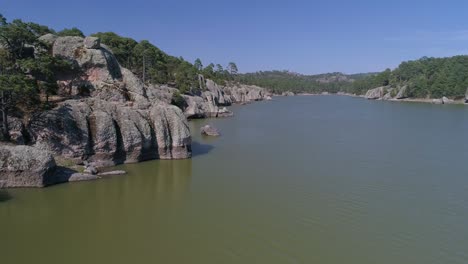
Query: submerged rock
[[112, 173], [210, 131], [25, 166], [75, 177]]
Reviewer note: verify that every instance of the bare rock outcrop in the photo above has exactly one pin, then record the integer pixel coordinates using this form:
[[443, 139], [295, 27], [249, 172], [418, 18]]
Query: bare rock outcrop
[[118, 119], [376, 93], [25, 166], [209, 130]]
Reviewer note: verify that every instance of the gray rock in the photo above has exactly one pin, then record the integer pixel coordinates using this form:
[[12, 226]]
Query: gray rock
[[24, 166], [172, 132], [224, 112], [445, 100], [92, 43], [48, 38], [466, 96], [387, 96], [246, 93], [90, 170], [402, 93], [437, 101], [75, 177], [376, 93], [112, 173], [17, 130], [209, 131], [288, 93]]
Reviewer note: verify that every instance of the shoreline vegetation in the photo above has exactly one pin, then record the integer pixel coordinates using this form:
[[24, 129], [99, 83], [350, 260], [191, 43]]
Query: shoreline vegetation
[[71, 104]]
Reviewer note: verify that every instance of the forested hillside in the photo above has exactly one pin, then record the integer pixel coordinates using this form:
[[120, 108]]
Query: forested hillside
[[423, 78]]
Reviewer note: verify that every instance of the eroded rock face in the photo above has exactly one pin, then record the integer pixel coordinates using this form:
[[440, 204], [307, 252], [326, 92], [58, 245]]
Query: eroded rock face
[[25, 166], [173, 137]]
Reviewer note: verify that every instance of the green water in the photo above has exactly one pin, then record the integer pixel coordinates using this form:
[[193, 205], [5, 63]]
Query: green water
[[321, 179]]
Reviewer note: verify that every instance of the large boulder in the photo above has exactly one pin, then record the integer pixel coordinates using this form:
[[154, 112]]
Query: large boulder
[[48, 38], [376, 93], [209, 130], [240, 93], [200, 107], [445, 100], [172, 132], [24, 166]]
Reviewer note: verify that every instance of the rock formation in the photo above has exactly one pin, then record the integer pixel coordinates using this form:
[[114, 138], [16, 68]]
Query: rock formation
[[25, 166], [376, 93], [212, 100], [110, 116], [209, 130]]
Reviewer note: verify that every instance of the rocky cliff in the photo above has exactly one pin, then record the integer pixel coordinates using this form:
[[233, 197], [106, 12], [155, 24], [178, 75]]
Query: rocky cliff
[[104, 116], [212, 101], [389, 93], [109, 116]]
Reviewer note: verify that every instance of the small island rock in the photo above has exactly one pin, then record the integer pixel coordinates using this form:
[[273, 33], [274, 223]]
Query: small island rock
[[210, 131]]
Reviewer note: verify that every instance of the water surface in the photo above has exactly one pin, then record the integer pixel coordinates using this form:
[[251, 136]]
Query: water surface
[[312, 179]]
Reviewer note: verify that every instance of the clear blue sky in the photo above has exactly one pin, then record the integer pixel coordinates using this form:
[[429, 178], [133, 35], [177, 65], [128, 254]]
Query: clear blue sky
[[302, 36]]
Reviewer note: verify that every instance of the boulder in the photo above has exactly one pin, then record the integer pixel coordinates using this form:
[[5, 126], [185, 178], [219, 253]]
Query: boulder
[[466, 96], [90, 169], [288, 93], [224, 112], [75, 177], [92, 43], [209, 131], [445, 100], [112, 173], [402, 93], [48, 38], [437, 101], [376, 93], [387, 96], [25, 166]]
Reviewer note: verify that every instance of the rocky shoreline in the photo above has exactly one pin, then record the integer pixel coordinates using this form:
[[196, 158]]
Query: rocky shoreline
[[384, 94], [107, 116]]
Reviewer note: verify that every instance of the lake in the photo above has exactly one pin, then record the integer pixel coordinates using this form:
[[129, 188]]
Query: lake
[[306, 179]]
